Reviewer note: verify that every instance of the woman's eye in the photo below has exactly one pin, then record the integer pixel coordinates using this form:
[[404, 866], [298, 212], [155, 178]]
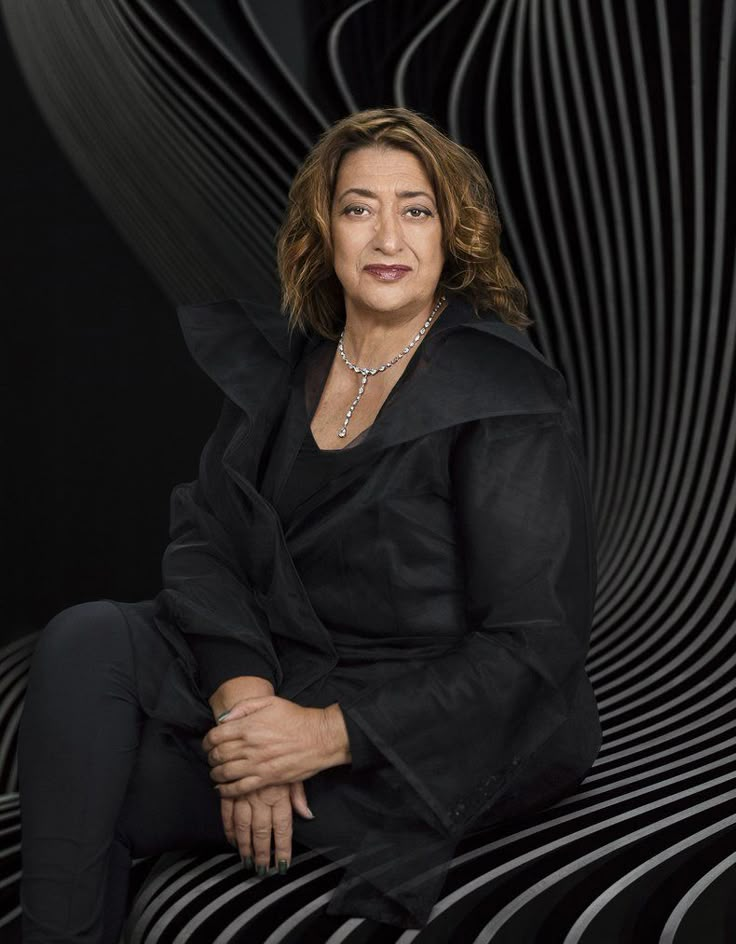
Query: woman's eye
[[360, 211]]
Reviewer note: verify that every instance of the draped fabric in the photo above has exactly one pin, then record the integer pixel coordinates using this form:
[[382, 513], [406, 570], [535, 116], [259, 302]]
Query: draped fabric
[[439, 585]]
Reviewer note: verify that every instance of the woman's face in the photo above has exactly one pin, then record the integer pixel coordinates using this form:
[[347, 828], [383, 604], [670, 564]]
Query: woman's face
[[384, 214]]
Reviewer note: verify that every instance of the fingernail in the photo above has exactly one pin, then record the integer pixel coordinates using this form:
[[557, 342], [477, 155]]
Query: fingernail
[[222, 716], [261, 871], [248, 862], [283, 866], [311, 814]]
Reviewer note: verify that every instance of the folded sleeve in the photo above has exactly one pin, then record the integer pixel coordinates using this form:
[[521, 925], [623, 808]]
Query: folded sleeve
[[222, 659], [205, 592], [362, 750], [460, 729]]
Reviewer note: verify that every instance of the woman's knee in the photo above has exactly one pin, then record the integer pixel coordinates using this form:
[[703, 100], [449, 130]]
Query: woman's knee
[[81, 629], [80, 642]]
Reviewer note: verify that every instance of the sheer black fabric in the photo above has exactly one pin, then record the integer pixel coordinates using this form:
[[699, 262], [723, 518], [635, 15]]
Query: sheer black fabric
[[438, 583], [312, 468]]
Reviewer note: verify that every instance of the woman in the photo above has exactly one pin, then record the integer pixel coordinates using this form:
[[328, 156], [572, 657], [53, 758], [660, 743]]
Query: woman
[[378, 593]]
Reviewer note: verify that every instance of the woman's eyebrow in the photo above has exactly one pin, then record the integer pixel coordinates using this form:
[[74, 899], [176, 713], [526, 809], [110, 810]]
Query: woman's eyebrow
[[361, 191]]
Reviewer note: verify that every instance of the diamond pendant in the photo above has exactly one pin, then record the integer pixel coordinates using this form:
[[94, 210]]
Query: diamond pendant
[[343, 431], [367, 372]]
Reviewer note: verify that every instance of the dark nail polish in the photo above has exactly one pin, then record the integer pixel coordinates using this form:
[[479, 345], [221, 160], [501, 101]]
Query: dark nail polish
[[261, 871], [283, 866], [248, 862]]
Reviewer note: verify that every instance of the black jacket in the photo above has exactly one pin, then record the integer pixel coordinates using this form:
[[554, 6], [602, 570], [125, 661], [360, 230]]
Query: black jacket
[[442, 587]]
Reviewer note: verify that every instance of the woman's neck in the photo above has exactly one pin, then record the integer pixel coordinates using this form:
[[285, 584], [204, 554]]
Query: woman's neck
[[374, 338]]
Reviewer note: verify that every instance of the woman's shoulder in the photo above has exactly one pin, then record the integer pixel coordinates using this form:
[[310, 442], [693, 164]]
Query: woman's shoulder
[[491, 367], [242, 344], [217, 326]]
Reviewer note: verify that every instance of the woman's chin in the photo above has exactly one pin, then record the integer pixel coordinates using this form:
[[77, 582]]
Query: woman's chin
[[385, 296]]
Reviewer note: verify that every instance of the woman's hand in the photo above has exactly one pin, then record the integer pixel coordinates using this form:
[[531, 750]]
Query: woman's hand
[[269, 740], [228, 693], [251, 819]]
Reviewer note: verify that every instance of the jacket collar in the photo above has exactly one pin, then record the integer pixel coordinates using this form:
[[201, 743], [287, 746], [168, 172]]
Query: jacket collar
[[245, 347]]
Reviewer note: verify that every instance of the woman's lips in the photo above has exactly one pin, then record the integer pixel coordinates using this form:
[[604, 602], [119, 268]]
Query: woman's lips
[[388, 273]]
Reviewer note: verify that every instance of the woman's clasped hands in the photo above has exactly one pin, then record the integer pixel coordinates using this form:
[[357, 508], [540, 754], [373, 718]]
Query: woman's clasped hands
[[260, 753]]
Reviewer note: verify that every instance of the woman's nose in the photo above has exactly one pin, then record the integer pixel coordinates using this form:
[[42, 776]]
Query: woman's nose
[[387, 234]]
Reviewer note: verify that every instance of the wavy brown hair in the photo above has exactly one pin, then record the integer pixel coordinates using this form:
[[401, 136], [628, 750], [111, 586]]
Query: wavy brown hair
[[471, 228]]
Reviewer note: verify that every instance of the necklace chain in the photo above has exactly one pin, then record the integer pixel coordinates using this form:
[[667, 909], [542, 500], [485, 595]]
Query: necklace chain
[[367, 372]]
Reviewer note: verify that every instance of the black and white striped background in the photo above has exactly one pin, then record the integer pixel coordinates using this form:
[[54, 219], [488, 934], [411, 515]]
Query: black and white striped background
[[607, 127]]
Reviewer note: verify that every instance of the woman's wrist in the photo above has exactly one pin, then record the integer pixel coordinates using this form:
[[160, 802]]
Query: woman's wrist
[[335, 736], [231, 691]]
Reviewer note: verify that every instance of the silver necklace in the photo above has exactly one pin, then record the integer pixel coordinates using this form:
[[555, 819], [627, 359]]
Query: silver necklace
[[367, 372]]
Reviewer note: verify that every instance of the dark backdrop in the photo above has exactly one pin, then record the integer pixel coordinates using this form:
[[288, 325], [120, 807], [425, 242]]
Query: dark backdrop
[[106, 411]]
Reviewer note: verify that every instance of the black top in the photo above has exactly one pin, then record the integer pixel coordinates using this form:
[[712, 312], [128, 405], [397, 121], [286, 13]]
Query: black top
[[311, 469]]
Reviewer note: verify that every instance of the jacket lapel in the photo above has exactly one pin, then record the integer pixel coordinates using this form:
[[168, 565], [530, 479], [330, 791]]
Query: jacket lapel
[[247, 352], [468, 366]]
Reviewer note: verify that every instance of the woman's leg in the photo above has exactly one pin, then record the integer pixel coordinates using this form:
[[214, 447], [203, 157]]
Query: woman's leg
[[77, 744], [100, 782], [169, 804]]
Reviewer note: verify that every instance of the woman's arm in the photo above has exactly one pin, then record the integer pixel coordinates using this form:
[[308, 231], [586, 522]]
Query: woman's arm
[[460, 729], [205, 592], [218, 657]]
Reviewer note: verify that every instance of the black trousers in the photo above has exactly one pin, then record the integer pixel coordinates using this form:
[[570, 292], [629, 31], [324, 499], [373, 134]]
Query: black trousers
[[100, 782]]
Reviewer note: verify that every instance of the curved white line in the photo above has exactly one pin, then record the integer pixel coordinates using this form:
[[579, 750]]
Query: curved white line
[[343, 933], [681, 683], [539, 852], [213, 904], [672, 719], [455, 97], [10, 917], [678, 914], [618, 784], [281, 66], [595, 907], [580, 862], [700, 723], [496, 155], [628, 228], [237, 924], [333, 53], [404, 60], [601, 773], [618, 576], [157, 882], [238, 63]]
